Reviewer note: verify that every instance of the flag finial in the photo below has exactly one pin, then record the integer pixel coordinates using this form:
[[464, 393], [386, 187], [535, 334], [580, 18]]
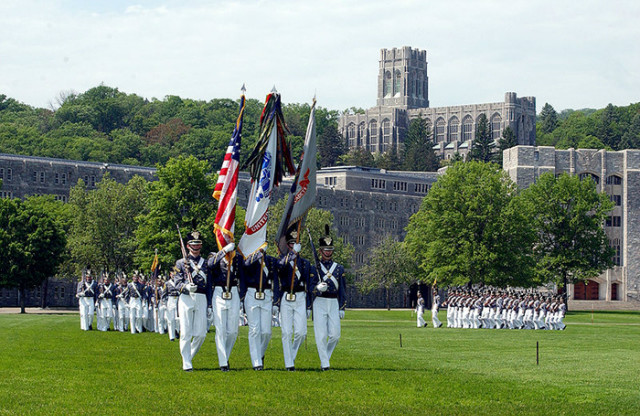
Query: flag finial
[[243, 89], [274, 89]]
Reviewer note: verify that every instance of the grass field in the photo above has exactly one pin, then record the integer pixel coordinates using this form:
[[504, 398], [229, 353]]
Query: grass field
[[49, 367]]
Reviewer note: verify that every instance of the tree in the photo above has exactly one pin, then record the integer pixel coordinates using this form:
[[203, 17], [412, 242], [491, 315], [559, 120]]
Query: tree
[[32, 242], [102, 233], [358, 156], [548, 119], [471, 229], [567, 215], [418, 154], [389, 266], [331, 145], [482, 148], [388, 160], [182, 195]]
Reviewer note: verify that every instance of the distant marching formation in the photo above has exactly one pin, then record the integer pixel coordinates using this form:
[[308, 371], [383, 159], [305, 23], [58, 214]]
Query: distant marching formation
[[503, 309]]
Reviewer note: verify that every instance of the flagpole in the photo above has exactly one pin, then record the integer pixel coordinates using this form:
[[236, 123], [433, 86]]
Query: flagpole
[[295, 263]]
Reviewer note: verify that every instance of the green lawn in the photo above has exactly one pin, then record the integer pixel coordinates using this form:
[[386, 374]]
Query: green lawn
[[49, 367]]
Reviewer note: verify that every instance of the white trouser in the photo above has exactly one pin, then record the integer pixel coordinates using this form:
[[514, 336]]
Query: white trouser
[[528, 319], [86, 312], [162, 318], [123, 315], [293, 322], [466, 323], [539, 321], [419, 313], [326, 327], [259, 321], [434, 318], [135, 315], [172, 316], [226, 315], [193, 326], [106, 314]]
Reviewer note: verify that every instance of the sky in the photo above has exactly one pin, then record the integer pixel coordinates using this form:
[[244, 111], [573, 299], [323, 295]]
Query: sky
[[570, 54]]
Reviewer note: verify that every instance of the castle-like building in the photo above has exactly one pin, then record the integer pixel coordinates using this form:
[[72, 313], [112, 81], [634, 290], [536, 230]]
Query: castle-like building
[[403, 94], [618, 175]]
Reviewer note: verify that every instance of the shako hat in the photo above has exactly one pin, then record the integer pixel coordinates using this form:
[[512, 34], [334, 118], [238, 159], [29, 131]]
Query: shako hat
[[292, 236], [194, 238], [326, 242]]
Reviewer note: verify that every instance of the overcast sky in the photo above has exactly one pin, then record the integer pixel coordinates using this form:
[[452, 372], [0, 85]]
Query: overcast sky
[[571, 54]]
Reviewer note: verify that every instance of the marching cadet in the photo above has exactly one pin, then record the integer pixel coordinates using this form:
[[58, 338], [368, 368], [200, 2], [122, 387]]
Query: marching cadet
[[122, 296], [106, 303], [420, 311], [258, 275], [86, 294], [329, 300], [161, 308], [193, 281], [173, 325], [435, 307], [136, 294], [293, 299], [226, 301]]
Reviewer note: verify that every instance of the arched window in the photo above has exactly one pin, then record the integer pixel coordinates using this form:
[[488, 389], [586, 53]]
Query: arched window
[[467, 128], [351, 134], [386, 135], [453, 129], [387, 84], [614, 180], [496, 122], [397, 83], [373, 135], [440, 124], [361, 133], [615, 245], [590, 175], [419, 89]]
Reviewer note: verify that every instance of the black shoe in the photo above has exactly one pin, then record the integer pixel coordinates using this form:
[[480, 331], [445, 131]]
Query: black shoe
[[439, 325], [172, 340], [326, 368], [291, 368], [224, 368], [258, 368], [188, 370], [90, 327]]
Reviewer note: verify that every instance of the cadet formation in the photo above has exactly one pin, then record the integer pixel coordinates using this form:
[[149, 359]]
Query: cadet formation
[[260, 292]]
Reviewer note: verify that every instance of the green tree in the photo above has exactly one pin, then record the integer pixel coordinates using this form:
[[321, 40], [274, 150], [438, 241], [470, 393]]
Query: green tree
[[102, 232], [182, 195], [568, 214], [482, 148], [358, 156], [418, 154], [548, 119], [471, 229], [32, 241], [331, 145], [388, 160], [389, 266]]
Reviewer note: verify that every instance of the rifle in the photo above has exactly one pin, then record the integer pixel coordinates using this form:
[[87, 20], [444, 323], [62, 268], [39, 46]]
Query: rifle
[[313, 249], [184, 256]]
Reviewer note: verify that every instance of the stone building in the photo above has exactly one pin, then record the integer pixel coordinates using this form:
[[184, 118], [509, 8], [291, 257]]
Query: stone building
[[367, 204], [403, 94], [617, 174]]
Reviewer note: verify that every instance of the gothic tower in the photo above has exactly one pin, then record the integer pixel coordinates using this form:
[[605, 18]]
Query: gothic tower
[[402, 79]]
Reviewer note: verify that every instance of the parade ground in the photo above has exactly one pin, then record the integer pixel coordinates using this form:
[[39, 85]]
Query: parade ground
[[383, 364]]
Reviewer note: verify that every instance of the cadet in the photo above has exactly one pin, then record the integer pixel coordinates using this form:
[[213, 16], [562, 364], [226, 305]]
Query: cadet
[[258, 275], [106, 303], [420, 311], [194, 304], [86, 294], [173, 325], [293, 299], [226, 301], [330, 300], [122, 295], [435, 307], [136, 295]]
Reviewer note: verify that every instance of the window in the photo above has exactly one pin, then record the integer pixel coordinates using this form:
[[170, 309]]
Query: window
[[467, 128], [344, 221], [585, 175], [86, 180], [615, 245], [330, 180], [613, 221], [616, 199], [1, 173], [380, 223], [41, 177], [9, 174], [496, 121], [34, 176], [63, 180], [6, 194], [440, 130], [62, 198], [55, 292], [378, 184], [351, 134], [93, 181], [359, 203], [387, 84], [386, 135], [421, 188], [452, 129], [62, 292], [360, 134], [360, 240], [56, 178], [373, 135], [399, 186], [397, 85], [614, 180]]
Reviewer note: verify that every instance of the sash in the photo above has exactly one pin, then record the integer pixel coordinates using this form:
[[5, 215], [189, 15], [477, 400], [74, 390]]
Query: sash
[[328, 274], [197, 269]]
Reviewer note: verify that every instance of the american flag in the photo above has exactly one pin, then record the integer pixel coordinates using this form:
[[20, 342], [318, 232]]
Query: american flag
[[226, 190]]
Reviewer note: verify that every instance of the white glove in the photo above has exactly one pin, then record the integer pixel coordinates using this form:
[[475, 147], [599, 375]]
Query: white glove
[[209, 313], [322, 287], [191, 287], [228, 248], [308, 313], [297, 247], [342, 314], [275, 310], [101, 296]]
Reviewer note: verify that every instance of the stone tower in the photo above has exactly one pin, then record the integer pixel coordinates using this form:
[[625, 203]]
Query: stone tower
[[402, 79]]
